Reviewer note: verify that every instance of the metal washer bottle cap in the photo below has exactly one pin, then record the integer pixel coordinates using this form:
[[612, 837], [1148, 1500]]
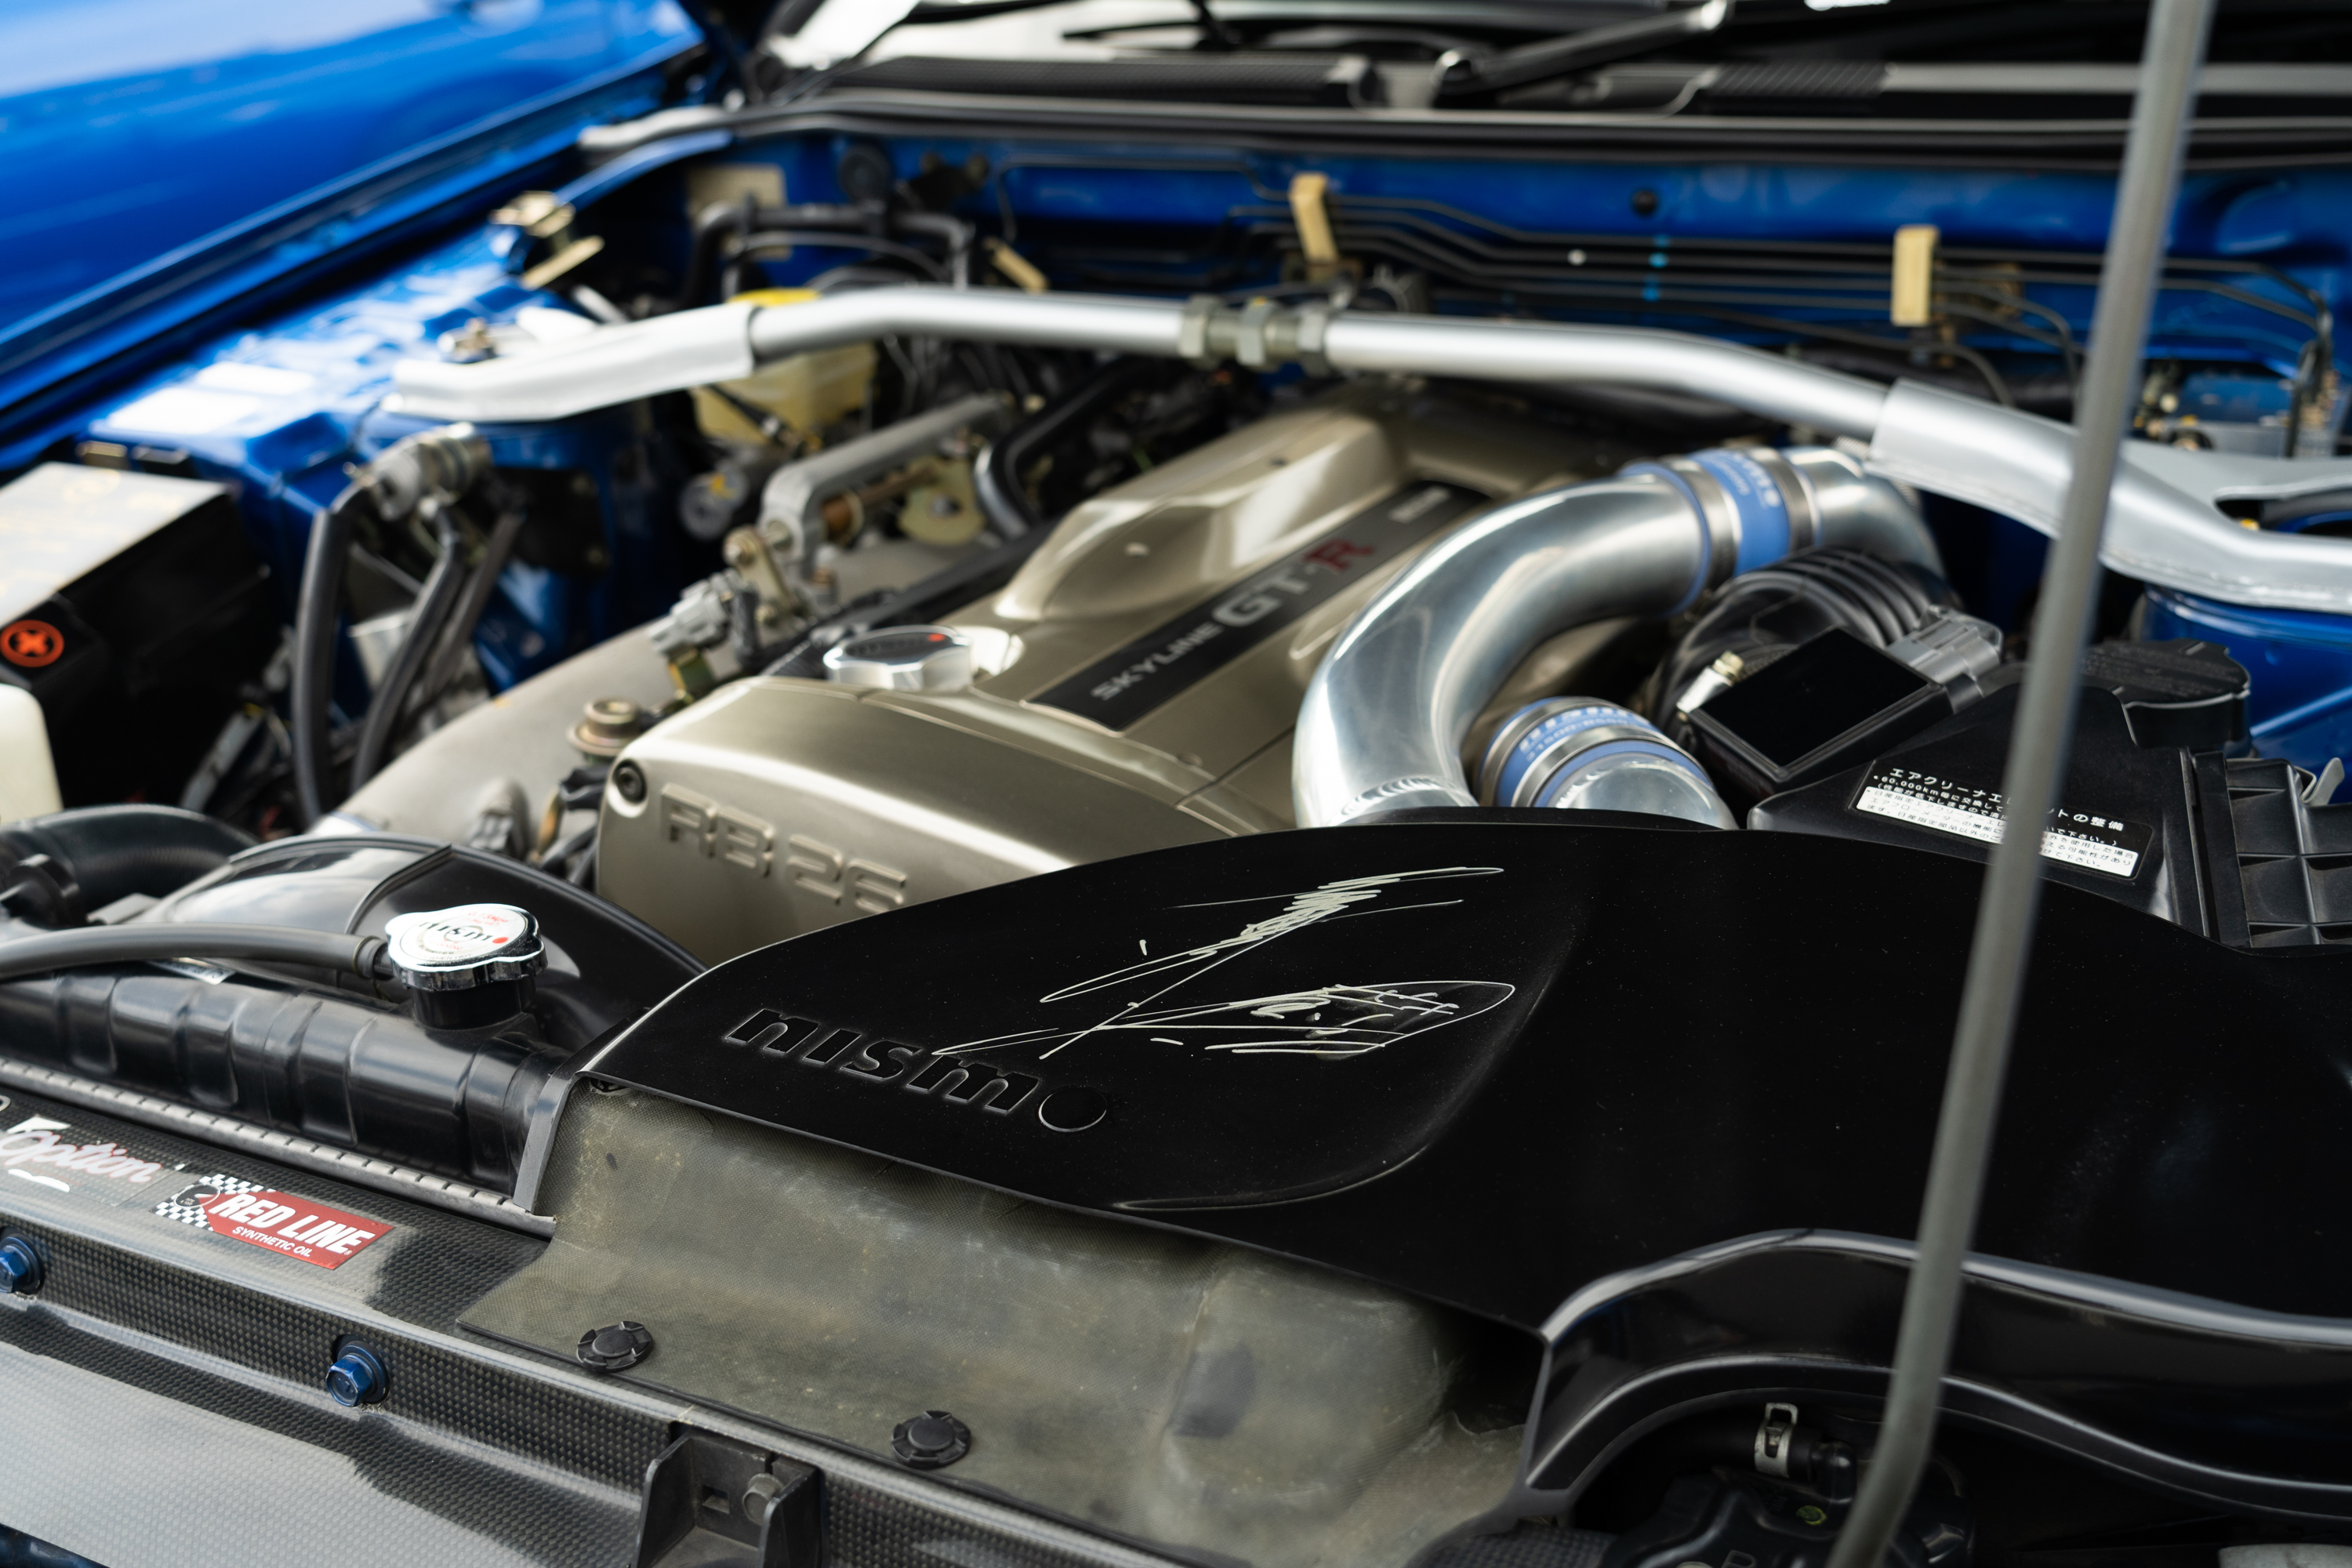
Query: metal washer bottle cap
[[903, 659], [469, 945]]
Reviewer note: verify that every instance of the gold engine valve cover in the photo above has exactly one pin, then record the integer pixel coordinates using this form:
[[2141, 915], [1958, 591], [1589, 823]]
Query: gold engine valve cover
[[1134, 688]]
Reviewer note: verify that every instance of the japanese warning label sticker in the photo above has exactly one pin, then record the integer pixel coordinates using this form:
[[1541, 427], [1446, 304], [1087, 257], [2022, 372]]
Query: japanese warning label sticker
[[2095, 843], [279, 1222]]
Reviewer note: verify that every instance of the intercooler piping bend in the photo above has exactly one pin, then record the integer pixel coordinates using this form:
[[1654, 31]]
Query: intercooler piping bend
[[1383, 721]]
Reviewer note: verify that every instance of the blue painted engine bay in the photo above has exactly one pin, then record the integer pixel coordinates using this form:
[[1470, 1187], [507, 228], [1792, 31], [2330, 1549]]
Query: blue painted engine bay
[[1789, 255], [716, 725]]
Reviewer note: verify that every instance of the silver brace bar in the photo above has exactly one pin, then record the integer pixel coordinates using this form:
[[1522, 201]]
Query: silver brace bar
[[2166, 526]]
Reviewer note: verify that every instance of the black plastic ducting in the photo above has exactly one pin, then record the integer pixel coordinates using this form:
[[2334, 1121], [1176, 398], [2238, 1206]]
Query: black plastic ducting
[[109, 852], [1761, 615]]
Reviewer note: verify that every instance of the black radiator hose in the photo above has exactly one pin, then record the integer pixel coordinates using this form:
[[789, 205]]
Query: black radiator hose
[[92, 946], [435, 605], [319, 1047], [315, 615], [108, 852], [435, 466], [996, 474]]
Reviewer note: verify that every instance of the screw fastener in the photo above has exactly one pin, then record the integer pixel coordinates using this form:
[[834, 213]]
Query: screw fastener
[[931, 1441], [616, 1347], [356, 1376], [20, 1268]]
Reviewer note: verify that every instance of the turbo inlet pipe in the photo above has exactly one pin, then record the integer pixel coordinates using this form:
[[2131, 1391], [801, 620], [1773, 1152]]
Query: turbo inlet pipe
[[1385, 715]]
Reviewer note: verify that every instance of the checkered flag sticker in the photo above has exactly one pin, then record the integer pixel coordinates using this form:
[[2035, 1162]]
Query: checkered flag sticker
[[186, 1205]]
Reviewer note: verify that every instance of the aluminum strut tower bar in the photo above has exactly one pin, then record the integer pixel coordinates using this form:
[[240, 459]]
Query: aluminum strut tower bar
[[2166, 525]]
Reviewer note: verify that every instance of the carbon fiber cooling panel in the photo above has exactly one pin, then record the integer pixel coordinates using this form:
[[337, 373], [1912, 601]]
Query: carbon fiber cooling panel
[[163, 1392]]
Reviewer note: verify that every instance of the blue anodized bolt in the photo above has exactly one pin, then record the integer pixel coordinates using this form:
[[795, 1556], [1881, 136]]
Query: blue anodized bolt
[[20, 1268], [356, 1376]]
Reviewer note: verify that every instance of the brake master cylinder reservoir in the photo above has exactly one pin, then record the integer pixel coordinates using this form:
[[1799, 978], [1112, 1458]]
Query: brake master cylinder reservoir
[[806, 391]]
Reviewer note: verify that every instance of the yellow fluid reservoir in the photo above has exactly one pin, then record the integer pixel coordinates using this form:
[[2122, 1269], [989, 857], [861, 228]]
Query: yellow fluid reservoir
[[807, 391]]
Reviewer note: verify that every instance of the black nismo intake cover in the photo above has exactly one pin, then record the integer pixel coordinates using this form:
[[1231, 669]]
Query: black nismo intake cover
[[1490, 1063]]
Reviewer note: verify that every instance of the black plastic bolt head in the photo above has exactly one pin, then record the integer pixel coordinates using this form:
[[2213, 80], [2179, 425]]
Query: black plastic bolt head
[[865, 173], [629, 783], [616, 1347], [931, 1441], [1644, 202]]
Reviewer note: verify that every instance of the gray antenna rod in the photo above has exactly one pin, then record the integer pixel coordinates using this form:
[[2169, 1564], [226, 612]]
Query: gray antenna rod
[[2006, 909]]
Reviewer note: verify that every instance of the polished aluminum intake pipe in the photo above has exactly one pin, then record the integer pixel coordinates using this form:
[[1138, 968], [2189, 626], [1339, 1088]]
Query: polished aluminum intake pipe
[[1581, 753], [2166, 524], [1385, 716]]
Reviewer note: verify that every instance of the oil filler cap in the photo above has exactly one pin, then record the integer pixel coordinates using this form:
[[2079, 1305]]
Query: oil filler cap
[[460, 948], [903, 659]]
